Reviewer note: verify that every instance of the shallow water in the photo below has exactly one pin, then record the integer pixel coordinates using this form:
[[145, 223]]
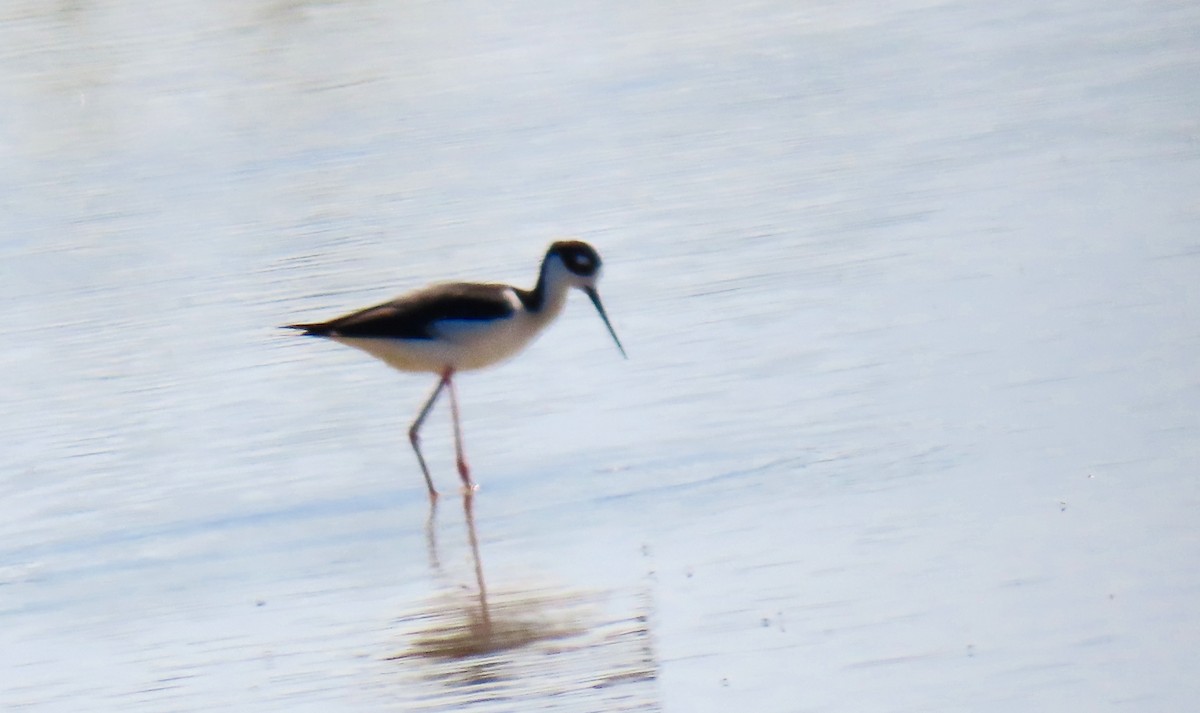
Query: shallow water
[[909, 420]]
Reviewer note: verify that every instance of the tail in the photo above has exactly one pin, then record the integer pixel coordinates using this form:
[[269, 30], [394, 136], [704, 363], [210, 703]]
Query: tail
[[316, 329]]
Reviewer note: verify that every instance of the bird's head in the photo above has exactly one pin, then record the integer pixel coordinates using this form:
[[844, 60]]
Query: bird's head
[[577, 264]]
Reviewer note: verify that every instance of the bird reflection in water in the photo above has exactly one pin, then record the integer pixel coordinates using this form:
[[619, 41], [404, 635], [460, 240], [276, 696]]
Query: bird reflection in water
[[526, 645], [458, 627]]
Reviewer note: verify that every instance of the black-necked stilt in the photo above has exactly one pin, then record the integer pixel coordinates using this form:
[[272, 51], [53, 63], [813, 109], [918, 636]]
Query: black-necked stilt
[[459, 326]]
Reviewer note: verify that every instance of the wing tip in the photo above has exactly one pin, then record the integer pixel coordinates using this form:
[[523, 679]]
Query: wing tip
[[316, 329]]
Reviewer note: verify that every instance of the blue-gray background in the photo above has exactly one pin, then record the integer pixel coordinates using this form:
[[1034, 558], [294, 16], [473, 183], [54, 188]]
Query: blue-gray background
[[911, 418]]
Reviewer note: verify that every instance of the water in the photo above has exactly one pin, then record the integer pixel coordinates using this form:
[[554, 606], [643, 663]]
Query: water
[[909, 420]]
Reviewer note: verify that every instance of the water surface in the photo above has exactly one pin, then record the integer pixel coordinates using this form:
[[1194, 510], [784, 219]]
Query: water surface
[[909, 419]]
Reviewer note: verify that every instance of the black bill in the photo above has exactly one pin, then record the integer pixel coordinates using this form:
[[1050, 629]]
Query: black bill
[[591, 292]]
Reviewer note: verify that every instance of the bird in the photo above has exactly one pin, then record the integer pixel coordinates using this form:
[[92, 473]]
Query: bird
[[450, 327]]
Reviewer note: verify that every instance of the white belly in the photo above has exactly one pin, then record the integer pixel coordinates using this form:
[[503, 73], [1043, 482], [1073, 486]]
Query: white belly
[[461, 344]]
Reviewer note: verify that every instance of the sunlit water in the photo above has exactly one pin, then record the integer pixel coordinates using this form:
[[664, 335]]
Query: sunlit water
[[909, 421]]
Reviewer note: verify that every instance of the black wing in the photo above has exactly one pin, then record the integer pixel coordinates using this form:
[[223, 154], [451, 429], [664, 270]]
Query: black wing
[[415, 316]]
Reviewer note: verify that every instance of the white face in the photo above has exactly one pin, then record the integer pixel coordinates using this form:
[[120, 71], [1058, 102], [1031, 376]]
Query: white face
[[572, 263]]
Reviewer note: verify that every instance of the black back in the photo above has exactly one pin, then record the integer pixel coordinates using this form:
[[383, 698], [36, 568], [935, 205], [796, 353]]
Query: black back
[[414, 316]]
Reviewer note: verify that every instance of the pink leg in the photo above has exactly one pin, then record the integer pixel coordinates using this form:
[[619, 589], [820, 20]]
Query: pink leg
[[414, 430], [463, 471]]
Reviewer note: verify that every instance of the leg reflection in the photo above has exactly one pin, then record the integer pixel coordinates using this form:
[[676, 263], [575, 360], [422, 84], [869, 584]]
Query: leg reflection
[[431, 537], [464, 622], [460, 630], [469, 512]]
